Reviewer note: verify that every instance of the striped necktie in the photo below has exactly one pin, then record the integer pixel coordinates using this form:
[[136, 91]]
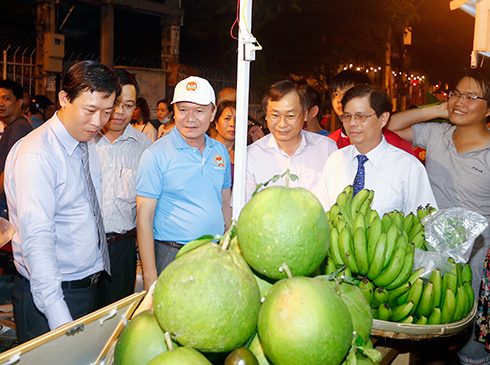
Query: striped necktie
[[359, 179], [96, 209]]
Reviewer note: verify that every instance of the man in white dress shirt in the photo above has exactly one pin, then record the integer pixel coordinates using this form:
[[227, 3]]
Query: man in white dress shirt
[[120, 147], [398, 179], [288, 146]]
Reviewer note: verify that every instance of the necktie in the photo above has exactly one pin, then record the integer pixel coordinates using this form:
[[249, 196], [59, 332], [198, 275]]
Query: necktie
[[359, 179], [96, 209]]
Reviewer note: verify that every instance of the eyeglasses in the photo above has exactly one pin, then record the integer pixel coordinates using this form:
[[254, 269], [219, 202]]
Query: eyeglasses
[[468, 96], [359, 117], [290, 118], [124, 107]]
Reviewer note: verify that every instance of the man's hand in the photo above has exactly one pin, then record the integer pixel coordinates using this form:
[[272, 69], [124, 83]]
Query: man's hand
[[146, 241]]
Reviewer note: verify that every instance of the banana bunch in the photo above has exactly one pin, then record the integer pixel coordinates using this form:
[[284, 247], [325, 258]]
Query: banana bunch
[[380, 252], [438, 300], [380, 249]]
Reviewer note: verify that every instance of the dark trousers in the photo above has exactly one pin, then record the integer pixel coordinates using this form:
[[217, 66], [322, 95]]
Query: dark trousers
[[30, 322], [120, 283], [164, 255]]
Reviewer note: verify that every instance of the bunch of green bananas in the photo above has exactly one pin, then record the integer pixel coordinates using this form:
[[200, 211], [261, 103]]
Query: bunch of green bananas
[[436, 301], [380, 253]]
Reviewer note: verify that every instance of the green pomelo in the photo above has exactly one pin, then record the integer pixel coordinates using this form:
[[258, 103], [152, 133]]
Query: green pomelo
[[303, 321], [241, 356], [281, 225], [140, 341], [258, 350], [359, 308], [181, 356], [208, 299]]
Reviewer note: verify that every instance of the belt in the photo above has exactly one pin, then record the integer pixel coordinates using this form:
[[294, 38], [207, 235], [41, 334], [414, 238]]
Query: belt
[[172, 244], [88, 282], [116, 237]]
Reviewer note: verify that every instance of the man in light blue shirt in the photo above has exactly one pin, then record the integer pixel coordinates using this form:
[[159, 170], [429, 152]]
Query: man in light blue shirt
[[56, 246], [184, 180]]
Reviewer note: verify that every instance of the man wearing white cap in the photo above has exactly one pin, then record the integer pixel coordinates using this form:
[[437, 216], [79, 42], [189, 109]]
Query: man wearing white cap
[[183, 183]]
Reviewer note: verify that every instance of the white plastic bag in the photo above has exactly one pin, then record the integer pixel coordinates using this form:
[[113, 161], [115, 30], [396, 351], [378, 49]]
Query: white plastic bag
[[448, 233]]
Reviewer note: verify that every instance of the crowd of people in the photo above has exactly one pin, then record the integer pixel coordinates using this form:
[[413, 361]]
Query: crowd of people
[[83, 187]]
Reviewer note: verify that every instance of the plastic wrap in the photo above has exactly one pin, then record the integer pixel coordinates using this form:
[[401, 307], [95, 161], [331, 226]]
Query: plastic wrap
[[448, 233]]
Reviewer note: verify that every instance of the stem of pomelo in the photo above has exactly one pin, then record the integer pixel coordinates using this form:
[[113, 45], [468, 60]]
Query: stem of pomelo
[[168, 341], [285, 267], [225, 242]]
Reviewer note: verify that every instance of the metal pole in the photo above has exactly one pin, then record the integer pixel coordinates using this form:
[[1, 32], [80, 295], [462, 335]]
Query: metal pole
[[246, 54], [5, 62]]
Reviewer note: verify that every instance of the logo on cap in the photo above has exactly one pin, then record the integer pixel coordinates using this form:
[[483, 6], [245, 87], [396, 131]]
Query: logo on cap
[[191, 86]]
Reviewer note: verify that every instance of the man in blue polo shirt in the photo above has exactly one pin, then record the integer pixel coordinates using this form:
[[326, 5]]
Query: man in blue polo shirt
[[183, 184]]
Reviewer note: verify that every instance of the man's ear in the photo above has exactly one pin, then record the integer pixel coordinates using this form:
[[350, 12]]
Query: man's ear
[[313, 112], [63, 98], [385, 117]]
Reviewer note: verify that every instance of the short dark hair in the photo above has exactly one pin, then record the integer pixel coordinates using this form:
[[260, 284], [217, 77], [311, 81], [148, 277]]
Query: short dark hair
[[313, 97], [90, 76], [482, 78], [164, 101], [145, 109], [280, 89], [346, 78], [15, 87], [125, 78], [378, 100], [222, 106]]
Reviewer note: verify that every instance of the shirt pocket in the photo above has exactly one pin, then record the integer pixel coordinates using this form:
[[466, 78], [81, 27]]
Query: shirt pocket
[[127, 185]]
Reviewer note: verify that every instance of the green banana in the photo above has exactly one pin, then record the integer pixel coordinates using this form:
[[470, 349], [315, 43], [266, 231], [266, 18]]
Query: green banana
[[415, 275], [407, 268], [416, 228], [448, 306], [372, 214], [334, 247], [377, 263], [470, 296], [357, 201], [346, 272], [457, 270], [397, 218], [403, 298], [386, 222], [393, 269], [367, 288], [396, 293], [341, 223], [390, 243], [467, 274], [415, 294], [373, 236], [408, 319], [461, 304], [401, 311], [331, 267], [346, 250], [430, 209], [419, 239], [426, 304], [408, 222], [359, 222], [384, 312], [360, 248], [421, 320], [435, 317], [366, 205], [381, 295], [449, 281], [334, 213], [344, 204], [421, 212], [436, 280]]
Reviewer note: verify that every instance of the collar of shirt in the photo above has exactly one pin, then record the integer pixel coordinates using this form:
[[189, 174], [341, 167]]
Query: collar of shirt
[[129, 132], [66, 140], [272, 143], [375, 156], [180, 142]]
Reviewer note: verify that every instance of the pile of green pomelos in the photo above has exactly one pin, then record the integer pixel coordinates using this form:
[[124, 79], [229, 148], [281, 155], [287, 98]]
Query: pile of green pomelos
[[255, 296]]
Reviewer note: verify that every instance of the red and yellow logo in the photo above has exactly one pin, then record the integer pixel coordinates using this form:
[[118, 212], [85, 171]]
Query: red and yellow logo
[[191, 86], [218, 160]]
